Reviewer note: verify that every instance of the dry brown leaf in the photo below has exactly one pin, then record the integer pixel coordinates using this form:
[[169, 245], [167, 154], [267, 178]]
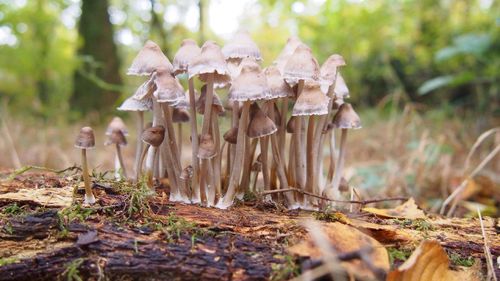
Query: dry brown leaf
[[428, 262], [408, 210], [381, 232], [344, 239], [49, 197]]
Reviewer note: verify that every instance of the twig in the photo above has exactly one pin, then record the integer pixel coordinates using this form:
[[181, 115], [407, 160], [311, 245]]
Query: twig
[[24, 169], [487, 253], [362, 202], [10, 142], [478, 142]]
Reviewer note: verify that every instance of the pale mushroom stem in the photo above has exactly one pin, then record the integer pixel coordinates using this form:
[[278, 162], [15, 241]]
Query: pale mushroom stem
[[170, 138], [172, 164], [333, 159], [234, 123], [234, 179], [311, 153], [138, 149], [264, 147], [282, 130], [141, 161], [194, 141], [299, 145], [156, 121], [254, 185], [291, 162], [340, 163], [216, 160], [280, 168], [179, 140], [89, 196], [206, 120], [251, 145], [120, 160], [211, 190], [117, 168], [150, 167]]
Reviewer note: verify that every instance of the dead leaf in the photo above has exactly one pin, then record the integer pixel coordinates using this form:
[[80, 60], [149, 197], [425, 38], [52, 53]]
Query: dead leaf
[[381, 232], [87, 238], [345, 239], [428, 262], [48, 197], [408, 210]]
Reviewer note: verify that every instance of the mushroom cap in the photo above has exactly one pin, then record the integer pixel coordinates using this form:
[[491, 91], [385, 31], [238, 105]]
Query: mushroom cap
[[277, 115], [312, 101], [290, 125], [149, 58], [346, 118], [329, 68], [278, 88], [207, 147], [260, 125], [341, 89], [209, 61], [216, 102], [233, 65], [183, 103], [132, 104], [116, 137], [180, 115], [251, 83], [154, 135], [291, 44], [146, 89], [85, 138], [301, 65], [116, 124], [188, 50], [168, 88], [241, 46], [231, 135]]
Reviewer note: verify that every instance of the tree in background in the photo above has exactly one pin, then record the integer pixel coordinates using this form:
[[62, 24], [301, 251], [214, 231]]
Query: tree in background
[[97, 80]]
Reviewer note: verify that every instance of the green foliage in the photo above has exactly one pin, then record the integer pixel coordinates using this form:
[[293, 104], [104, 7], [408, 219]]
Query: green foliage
[[284, 271], [457, 259], [6, 261], [400, 255], [71, 272]]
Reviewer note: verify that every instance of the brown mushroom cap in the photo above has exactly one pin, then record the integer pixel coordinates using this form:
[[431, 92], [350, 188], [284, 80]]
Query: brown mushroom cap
[[329, 68], [278, 88], [241, 46], [209, 61], [290, 125], [312, 101], [250, 85], [260, 125], [116, 124], [231, 135], [346, 118], [291, 44], [146, 89], [116, 137], [168, 88], [132, 104], [188, 50], [301, 66], [153, 136], [207, 147], [277, 114], [85, 138], [180, 115], [149, 59], [217, 106]]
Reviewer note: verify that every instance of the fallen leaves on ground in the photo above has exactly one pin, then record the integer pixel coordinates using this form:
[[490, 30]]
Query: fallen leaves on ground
[[408, 210], [428, 262], [48, 196], [345, 239]]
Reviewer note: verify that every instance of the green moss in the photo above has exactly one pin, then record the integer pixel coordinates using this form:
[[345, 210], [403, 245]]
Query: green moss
[[284, 271], [71, 272], [398, 255], [6, 261], [459, 260]]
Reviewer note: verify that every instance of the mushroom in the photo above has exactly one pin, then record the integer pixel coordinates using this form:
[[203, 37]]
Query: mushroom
[[311, 102], [139, 106], [148, 60], [180, 115], [250, 85], [291, 44], [186, 53], [345, 118], [116, 133], [211, 68], [207, 151], [152, 137], [301, 66], [86, 140], [239, 47]]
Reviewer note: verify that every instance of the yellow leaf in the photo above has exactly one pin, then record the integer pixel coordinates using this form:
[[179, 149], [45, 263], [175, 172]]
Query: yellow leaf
[[428, 262], [408, 210]]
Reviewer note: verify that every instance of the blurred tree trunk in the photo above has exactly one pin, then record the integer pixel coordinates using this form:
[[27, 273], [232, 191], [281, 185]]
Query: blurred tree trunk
[[97, 80], [157, 25], [201, 23]]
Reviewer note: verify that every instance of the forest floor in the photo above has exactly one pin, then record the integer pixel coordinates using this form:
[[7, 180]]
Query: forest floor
[[131, 234]]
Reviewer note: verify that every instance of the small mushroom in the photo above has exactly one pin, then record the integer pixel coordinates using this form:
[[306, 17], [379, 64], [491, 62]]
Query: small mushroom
[[345, 119], [152, 137], [86, 140], [149, 58], [117, 138]]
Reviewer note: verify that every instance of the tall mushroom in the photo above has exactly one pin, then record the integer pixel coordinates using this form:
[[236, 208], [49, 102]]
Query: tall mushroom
[[148, 60], [345, 118], [211, 68], [117, 133], [186, 53], [250, 85], [86, 140], [240, 46], [300, 67], [139, 106], [207, 151], [180, 114]]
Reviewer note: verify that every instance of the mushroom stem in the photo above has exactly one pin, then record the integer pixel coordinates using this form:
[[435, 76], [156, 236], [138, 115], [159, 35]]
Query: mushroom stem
[[179, 140], [117, 168], [217, 159], [282, 130], [141, 160], [264, 147], [280, 169], [234, 179], [291, 162], [340, 163], [120, 160], [170, 153], [150, 167], [234, 123], [299, 145], [208, 104], [89, 196], [194, 141], [311, 153], [138, 149], [210, 188], [331, 168], [247, 168], [156, 121]]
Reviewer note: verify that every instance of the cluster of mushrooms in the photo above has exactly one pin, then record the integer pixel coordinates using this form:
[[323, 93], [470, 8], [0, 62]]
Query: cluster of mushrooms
[[288, 109]]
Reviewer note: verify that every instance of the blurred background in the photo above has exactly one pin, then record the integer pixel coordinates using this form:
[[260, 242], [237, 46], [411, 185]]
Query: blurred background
[[423, 74]]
